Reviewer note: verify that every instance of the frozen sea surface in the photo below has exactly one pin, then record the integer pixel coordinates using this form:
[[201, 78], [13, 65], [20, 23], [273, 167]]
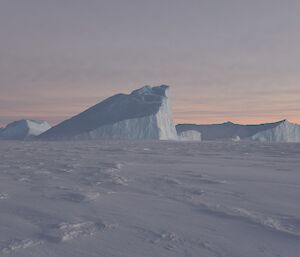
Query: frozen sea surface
[[149, 199]]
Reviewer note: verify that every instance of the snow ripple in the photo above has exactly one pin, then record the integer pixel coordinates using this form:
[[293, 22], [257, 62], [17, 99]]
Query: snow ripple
[[67, 231], [280, 224], [17, 244]]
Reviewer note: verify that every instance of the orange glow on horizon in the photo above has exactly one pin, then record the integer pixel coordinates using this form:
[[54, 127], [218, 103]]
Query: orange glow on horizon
[[178, 119], [236, 121], [214, 112]]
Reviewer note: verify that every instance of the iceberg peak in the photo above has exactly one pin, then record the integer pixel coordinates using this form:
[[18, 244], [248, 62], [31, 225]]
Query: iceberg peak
[[148, 90], [24, 129]]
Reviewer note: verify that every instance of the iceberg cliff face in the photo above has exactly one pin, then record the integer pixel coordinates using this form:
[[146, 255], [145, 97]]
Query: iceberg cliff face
[[143, 114], [24, 129], [189, 135], [284, 132]]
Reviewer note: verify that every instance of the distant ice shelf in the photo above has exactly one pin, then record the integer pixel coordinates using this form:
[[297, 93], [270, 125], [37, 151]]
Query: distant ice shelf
[[281, 131]]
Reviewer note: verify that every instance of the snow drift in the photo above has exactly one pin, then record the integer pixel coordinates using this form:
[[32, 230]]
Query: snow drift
[[281, 131], [149, 199], [143, 114], [24, 129]]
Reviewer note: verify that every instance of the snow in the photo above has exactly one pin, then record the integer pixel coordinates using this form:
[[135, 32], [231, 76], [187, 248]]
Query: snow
[[24, 129], [143, 114], [149, 198], [190, 135], [285, 132]]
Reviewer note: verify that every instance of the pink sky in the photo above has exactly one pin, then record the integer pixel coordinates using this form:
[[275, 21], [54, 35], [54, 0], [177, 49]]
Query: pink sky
[[225, 60]]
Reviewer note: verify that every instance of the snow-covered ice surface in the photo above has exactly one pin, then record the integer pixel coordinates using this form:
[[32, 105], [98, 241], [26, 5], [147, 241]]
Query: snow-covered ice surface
[[142, 199]]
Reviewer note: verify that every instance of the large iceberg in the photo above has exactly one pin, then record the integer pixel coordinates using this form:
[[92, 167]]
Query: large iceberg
[[24, 129], [143, 114]]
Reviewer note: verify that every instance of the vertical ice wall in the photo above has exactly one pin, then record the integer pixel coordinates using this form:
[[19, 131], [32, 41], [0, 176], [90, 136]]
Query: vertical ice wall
[[158, 125], [189, 135], [284, 132]]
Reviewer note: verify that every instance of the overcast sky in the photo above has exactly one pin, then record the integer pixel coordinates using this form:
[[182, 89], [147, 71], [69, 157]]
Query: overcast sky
[[236, 60]]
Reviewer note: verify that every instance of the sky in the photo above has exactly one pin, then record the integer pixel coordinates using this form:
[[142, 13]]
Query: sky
[[225, 60]]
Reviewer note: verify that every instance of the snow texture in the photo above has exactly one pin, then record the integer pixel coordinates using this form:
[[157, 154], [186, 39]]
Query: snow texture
[[281, 131], [143, 114], [24, 129], [149, 198]]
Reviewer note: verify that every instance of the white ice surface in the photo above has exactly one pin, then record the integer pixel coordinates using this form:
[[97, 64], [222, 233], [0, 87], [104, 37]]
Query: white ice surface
[[189, 135], [149, 199]]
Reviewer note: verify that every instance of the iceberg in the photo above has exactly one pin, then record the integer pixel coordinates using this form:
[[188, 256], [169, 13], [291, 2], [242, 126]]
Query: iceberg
[[143, 114], [24, 129], [284, 132], [281, 131]]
